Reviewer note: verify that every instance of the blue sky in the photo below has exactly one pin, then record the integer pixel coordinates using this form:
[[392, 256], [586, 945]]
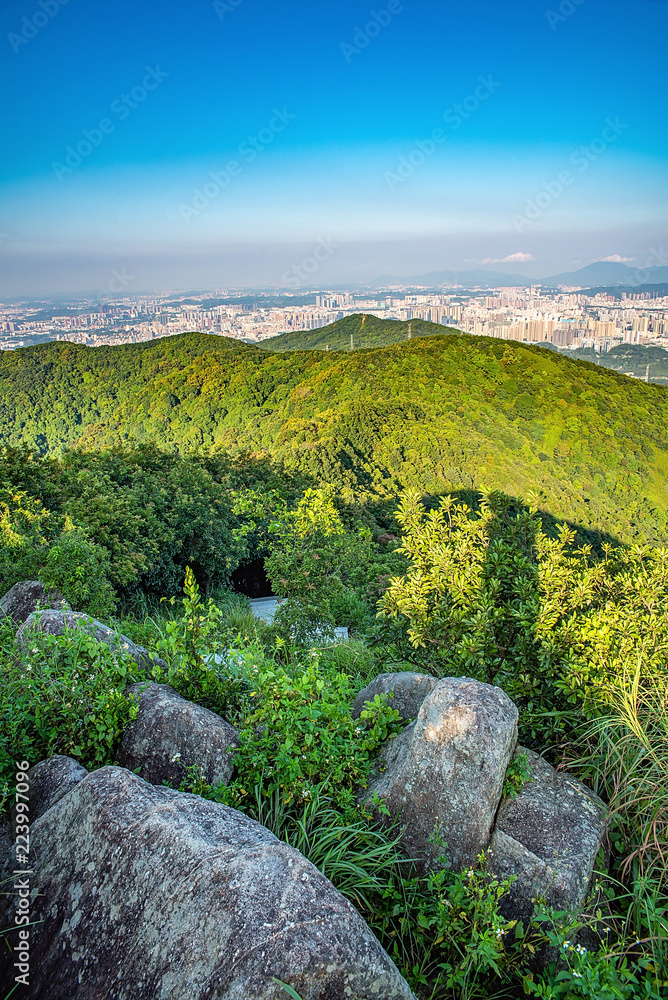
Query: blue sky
[[117, 114]]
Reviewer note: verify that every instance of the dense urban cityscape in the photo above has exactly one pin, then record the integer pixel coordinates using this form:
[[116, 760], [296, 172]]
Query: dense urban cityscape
[[568, 319]]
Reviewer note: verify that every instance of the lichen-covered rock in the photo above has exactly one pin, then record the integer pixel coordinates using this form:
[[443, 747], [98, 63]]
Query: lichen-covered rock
[[50, 780], [52, 622], [142, 892], [171, 734], [444, 774], [26, 597], [548, 837], [409, 690]]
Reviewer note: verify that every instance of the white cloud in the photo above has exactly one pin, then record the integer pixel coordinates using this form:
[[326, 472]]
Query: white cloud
[[616, 259], [513, 258]]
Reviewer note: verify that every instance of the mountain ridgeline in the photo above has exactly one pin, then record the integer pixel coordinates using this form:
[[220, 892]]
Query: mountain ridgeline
[[358, 331], [434, 413]]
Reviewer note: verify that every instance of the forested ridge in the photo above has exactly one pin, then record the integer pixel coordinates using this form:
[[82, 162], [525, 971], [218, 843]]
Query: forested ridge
[[366, 331], [433, 413]]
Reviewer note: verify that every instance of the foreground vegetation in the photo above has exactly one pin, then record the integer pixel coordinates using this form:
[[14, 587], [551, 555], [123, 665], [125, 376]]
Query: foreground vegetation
[[578, 637]]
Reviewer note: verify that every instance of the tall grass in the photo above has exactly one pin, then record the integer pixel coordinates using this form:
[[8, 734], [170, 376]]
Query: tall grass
[[357, 859], [626, 761]]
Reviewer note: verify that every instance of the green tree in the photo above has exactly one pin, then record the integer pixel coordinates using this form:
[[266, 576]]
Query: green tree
[[491, 595]]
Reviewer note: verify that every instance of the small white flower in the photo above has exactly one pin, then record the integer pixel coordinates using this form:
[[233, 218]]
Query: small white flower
[[177, 756]]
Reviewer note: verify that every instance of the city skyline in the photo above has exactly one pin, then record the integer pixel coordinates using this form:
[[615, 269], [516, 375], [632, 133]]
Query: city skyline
[[223, 145]]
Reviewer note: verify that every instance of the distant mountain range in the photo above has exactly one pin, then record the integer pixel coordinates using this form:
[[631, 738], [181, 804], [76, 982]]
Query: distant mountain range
[[602, 272]]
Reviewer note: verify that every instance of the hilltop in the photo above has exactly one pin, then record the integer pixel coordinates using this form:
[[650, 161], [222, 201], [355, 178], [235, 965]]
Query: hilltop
[[434, 413], [366, 331]]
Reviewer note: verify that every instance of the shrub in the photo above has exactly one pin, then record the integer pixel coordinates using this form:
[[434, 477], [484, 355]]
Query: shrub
[[300, 735], [491, 595], [195, 651], [64, 695], [79, 568], [37, 544]]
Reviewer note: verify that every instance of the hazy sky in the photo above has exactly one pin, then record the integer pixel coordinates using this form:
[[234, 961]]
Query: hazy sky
[[200, 144]]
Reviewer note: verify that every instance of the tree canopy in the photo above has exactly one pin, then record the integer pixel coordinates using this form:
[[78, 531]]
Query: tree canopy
[[437, 414]]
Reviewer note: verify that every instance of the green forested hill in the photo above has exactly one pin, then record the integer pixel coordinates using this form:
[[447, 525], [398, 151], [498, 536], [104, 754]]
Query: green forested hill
[[366, 331], [436, 413]]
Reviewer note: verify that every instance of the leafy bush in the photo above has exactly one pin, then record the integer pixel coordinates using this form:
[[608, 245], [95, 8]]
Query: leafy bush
[[517, 773], [194, 648], [490, 594], [36, 544], [613, 971], [64, 695], [300, 735], [79, 569]]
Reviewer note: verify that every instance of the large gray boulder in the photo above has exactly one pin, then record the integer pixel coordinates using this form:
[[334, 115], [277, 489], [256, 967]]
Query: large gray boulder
[[444, 774], [142, 892], [53, 622], [408, 691], [26, 597], [171, 734], [548, 837], [50, 780]]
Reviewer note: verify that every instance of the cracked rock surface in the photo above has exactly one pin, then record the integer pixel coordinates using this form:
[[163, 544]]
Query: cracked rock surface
[[146, 893]]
